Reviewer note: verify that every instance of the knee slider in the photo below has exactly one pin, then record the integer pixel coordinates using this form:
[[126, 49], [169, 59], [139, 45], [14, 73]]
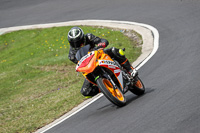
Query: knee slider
[[91, 91], [85, 91]]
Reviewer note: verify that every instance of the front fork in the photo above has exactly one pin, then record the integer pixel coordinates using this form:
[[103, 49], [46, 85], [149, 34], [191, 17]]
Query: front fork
[[110, 79], [126, 83]]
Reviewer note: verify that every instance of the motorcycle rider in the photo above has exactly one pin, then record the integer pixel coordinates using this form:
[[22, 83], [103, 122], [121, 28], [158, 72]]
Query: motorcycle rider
[[77, 39]]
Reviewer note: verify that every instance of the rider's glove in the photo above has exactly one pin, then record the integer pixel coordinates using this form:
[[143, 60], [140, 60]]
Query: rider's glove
[[103, 44]]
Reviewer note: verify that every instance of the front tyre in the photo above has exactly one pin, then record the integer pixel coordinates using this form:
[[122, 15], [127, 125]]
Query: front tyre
[[113, 95], [138, 88]]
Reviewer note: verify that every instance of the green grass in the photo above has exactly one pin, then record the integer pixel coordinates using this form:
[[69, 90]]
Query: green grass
[[37, 81]]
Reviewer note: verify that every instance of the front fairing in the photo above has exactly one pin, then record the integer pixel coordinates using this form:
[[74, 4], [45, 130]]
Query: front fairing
[[85, 60], [87, 64], [90, 61]]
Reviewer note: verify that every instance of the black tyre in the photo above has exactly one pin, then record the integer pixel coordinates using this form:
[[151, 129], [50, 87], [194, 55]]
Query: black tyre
[[113, 95], [138, 88]]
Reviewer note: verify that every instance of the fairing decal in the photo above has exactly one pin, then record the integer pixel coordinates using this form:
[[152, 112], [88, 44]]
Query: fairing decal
[[112, 66], [118, 72]]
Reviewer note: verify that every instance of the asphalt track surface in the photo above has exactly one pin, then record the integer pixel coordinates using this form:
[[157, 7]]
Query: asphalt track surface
[[172, 102]]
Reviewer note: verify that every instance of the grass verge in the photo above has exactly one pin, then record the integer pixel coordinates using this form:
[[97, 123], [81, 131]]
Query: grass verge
[[37, 81]]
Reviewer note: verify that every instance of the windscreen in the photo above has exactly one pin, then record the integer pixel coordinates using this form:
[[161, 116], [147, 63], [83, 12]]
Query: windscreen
[[82, 52]]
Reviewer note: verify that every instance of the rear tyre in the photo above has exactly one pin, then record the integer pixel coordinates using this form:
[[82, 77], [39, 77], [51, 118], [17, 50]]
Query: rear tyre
[[113, 95], [138, 88]]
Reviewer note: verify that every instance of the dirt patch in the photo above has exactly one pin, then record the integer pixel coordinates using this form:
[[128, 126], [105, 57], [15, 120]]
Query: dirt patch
[[133, 35]]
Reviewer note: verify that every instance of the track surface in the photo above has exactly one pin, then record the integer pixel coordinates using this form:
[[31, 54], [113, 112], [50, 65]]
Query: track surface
[[172, 101]]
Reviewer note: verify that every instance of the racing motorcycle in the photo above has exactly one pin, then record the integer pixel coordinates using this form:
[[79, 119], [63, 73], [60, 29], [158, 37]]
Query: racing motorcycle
[[106, 73]]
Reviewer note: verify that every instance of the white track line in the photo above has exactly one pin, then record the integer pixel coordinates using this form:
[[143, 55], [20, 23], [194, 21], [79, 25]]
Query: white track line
[[155, 48]]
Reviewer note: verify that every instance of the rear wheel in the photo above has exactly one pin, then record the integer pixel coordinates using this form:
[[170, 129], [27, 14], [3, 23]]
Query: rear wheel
[[138, 88], [114, 95]]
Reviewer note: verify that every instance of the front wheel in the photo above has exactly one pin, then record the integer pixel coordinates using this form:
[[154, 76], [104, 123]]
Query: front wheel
[[114, 95], [138, 88]]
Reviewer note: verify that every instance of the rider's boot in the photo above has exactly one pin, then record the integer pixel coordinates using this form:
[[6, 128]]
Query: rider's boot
[[89, 90], [132, 71], [118, 54]]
